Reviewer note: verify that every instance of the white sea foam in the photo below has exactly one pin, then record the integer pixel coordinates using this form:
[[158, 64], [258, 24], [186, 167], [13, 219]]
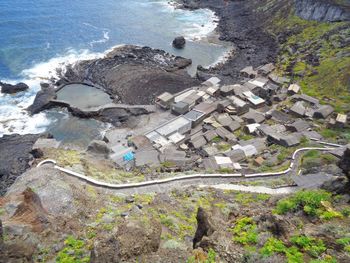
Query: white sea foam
[[13, 116], [198, 23]]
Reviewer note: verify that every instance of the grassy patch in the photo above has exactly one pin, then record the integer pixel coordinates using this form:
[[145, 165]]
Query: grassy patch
[[274, 245], [314, 247]]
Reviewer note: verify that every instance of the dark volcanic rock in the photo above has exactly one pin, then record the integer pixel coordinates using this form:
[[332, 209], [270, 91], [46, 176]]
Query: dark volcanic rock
[[42, 100], [179, 42], [204, 228], [134, 75], [14, 157], [243, 27], [99, 147], [344, 163], [11, 89]]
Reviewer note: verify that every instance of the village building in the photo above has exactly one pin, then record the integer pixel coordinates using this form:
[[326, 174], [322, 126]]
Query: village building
[[177, 138], [266, 69], [289, 140], [209, 150], [305, 98], [213, 81], [277, 79], [323, 111], [165, 100], [239, 89], [248, 72], [210, 164], [180, 108], [224, 162], [256, 101], [293, 89], [249, 150], [206, 108], [236, 155], [253, 116], [240, 105], [178, 125], [340, 121], [251, 128], [279, 97], [226, 135], [210, 135], [198, 142], [213, 91], [259, 82], [226, 90], [298, 126], [298, 109], [195, 117], [258, 143]]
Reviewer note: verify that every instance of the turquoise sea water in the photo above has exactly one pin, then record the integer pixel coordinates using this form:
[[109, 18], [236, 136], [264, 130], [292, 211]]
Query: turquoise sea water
[[38, 36]]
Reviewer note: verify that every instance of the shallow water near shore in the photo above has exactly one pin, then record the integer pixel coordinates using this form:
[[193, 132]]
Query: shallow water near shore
[[39, 36]]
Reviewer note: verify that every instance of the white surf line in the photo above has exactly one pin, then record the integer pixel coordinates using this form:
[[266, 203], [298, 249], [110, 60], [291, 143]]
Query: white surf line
[[254, 189], [179, 178]]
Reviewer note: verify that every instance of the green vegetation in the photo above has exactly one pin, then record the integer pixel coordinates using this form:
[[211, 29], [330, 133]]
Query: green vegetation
[[223, 147], [274, 245], [242, 135], [250, 198], [312, 202], [245, 231], [73, 252], [209, 258], [314, 247], [345, 242], [329, 76]]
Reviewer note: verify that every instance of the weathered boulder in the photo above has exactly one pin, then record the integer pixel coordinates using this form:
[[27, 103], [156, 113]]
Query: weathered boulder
[[344, 162], [204, 228], [337, 185], [11, 89], [99, 147], [15, 155], [179, 42], [42, 100]]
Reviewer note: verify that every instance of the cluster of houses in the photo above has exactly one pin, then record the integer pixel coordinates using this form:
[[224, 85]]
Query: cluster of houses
[[221, 126]]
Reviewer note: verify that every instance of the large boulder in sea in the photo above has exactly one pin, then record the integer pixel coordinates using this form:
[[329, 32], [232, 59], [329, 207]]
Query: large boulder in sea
[[134, 75], [179, 42], [11, 89]]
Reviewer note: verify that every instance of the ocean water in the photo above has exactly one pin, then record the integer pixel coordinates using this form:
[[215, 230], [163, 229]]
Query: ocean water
[[39, 36]]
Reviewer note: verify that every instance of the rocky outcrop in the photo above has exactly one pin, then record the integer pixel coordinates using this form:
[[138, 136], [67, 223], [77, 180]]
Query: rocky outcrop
[[11, 89], [25, 208], [42, 100], [179, 42], [204, 228], [99, 147], [15, 155], [322, 10], [134, 75], [344, 163]]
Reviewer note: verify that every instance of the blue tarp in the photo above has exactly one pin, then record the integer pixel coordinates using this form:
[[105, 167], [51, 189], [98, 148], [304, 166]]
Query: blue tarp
[[128, 156]]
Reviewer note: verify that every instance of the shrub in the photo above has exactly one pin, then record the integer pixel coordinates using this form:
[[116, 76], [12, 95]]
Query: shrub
[[310, 201], [314, 247], [274, 245], [245, 231], [345, 242]]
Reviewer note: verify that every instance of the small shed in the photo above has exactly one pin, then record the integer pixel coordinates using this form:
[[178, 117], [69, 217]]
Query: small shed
[[293, 89], [255, 100], [165, 100], [195, 117], [226, 90], [213, 81], [298, 126], [236, 155], [340, 121], [224, 162], [240, 105], [323, 111], [253, 116], [210, 135], [266, 69], [248, 72], [179, 108], [198, 142], [298, 109]]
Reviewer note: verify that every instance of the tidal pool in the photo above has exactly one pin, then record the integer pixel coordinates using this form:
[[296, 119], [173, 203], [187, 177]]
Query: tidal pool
[[83, 96]]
